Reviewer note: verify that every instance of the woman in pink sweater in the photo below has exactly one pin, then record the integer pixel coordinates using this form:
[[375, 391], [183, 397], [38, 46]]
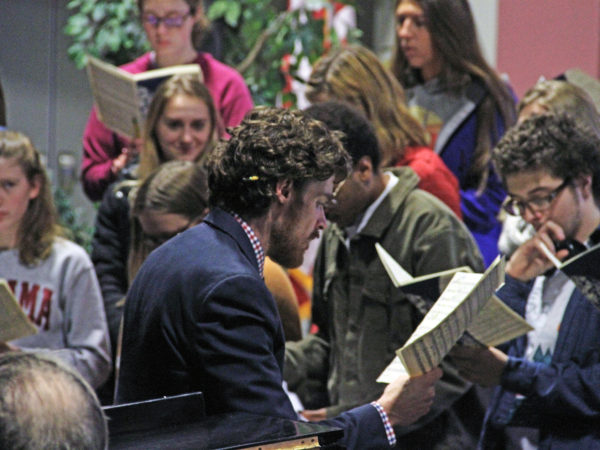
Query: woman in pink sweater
[[174, 28]]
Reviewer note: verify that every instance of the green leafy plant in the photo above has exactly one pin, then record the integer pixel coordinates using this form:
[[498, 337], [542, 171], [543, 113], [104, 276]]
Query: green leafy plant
[[107, 29], [72, 220], [257, 37]]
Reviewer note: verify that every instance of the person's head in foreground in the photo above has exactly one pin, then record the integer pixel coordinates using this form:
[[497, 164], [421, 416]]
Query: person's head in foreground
[[45, 404]]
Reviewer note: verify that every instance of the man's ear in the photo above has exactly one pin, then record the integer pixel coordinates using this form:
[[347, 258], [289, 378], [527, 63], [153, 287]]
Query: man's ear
[[283, 190], [364, 168]]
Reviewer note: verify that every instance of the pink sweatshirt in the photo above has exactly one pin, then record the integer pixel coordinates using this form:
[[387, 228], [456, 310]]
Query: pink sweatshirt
[[101, 145]]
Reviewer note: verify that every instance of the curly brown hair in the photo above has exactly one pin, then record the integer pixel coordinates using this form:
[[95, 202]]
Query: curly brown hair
[[553, 142], [270, 145]]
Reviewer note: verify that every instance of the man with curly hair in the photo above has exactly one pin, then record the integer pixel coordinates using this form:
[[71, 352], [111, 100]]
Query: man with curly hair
[[548, 390], [199, 316]]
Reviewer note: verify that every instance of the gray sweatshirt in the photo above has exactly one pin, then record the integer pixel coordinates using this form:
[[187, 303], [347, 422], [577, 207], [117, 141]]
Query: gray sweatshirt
[[61, 296]]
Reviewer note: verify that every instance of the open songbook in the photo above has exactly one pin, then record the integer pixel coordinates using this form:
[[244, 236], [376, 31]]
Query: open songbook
[[122, 98], [583, 269], [466, 311], [14, 323], [428, 286]]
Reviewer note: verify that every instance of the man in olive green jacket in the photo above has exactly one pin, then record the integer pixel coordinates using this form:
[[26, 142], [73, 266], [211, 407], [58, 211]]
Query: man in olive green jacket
[[362, 318]]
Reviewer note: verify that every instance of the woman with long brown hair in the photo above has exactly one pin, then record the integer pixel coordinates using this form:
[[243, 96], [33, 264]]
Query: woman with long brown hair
[[459, 99]]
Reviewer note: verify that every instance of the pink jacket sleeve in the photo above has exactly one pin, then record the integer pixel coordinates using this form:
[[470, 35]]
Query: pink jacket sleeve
[[100, 147]]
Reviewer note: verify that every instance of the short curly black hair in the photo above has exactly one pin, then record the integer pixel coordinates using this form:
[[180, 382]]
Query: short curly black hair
[[272, 144], [554, 142], [359, 137]]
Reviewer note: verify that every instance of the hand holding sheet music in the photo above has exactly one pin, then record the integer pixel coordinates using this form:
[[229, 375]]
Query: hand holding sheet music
[[483, 365], [467, 305]]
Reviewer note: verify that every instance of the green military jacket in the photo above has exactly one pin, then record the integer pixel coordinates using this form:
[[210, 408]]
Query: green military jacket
[[363, 318]]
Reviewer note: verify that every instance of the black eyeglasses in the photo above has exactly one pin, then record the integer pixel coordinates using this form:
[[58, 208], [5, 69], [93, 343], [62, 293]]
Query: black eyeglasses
[[171, 21], [517, 207]]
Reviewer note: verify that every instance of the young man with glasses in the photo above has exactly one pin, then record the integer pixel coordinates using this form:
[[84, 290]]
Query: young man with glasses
[[362, 318], [175, 29], [548, 387]]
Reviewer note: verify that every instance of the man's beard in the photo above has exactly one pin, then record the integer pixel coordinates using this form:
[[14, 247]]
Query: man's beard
[[284, 249]]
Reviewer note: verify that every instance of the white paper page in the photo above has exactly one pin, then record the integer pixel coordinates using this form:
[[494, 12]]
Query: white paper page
[[13, 321], [449, 317], [497, 323], [441, 327], [392, 371], [115, 96], [456, 292], [396, 272]]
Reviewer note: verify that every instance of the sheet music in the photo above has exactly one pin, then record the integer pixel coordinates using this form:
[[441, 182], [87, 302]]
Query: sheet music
[[396, 272], [115, 94], [449, 318], [13, 321], [497, 323], [392, 371]]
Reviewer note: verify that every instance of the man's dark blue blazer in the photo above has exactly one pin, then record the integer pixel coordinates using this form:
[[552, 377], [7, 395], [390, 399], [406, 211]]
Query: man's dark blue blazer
[[199, 317]]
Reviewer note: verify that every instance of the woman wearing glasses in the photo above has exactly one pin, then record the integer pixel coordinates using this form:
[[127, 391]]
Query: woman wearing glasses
[[175, 29]]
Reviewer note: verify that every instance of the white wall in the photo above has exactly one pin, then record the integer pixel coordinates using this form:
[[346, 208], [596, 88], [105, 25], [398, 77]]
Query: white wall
[[485, 13]]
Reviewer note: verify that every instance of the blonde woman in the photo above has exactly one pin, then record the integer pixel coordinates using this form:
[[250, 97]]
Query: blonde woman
[[355, 75], [180, 125]]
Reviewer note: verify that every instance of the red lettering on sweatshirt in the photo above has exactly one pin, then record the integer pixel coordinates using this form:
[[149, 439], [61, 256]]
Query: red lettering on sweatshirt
[[43, 318], [28, 298], [35, 303]]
